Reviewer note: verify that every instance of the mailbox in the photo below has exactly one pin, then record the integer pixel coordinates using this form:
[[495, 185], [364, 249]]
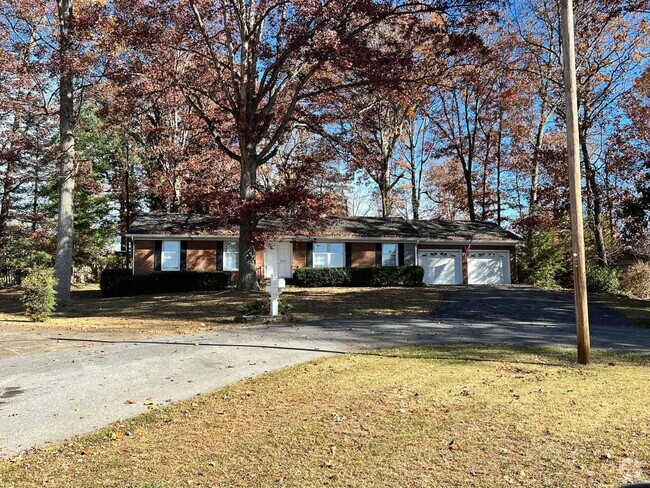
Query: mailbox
[[275, 289]]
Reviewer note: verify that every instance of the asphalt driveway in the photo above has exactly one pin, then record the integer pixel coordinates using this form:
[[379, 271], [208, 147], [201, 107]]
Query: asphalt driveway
[[50, 396]]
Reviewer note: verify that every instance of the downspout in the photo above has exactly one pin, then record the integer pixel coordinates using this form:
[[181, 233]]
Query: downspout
[[132, 255]]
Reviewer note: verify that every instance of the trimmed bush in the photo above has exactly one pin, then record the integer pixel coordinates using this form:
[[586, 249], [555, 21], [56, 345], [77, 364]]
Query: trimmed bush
[[387, 276], [364, 276], [39, 297], [602, 280], [263, 307], [311, 277], [636, 280], [120, 282]]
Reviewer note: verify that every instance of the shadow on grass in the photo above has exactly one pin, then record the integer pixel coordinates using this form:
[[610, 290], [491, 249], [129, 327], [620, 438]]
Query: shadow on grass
[[220, 306]]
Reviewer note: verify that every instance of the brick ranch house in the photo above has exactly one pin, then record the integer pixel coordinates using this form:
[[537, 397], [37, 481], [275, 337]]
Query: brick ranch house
[[450, 252]]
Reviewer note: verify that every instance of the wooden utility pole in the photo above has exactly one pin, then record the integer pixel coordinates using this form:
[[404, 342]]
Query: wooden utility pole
[[573, 153]]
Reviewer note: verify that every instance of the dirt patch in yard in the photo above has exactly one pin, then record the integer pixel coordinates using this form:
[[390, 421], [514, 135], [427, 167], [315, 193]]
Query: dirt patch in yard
[[192, 312], [455, 416]]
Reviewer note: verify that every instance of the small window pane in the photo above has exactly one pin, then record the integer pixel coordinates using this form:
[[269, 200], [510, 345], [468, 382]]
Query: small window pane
[[320, 260], [320, 248], [231, 246], [230, 261], [336, 260], [171, 246], [337, 247]]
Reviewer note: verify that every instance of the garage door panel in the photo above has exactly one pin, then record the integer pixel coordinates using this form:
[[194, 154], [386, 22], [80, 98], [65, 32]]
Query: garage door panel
[[441, 267], [488, 268]]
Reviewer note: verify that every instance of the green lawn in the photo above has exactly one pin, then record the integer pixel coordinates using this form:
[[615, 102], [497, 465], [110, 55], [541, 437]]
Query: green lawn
[[454, 416]]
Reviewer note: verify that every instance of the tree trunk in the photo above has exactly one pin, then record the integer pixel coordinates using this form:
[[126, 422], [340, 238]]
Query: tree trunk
[[247, 277], [498, 157], [470, 195], [596, 202], [5, 201], [539, 141], [484, 180], [65, 228], [415, 195], [385, 189]]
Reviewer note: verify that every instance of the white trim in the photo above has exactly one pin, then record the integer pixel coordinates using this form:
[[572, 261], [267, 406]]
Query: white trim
[[507, 276], [409, 240]]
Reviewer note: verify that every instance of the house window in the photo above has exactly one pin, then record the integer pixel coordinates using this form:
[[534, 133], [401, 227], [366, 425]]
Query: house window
[[170, 256], [330, 255], [230, 256], [389, 254]]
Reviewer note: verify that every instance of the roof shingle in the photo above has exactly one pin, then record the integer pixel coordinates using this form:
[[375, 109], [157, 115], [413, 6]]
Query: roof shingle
[[368, 227]]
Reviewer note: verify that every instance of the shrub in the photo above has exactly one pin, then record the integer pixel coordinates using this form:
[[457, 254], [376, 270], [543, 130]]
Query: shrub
[[602, 280], [38, 295], [387, 276], [542, 261], [311, 277], [120, 282], [263, 307], [363, 276], [636, 280]]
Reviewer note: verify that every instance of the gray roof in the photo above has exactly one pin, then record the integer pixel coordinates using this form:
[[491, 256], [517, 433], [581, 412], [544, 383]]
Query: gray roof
[[366, 227]]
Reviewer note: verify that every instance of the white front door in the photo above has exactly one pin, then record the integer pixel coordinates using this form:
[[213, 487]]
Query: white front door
[[488, 268], [441, 267], [278, 259]]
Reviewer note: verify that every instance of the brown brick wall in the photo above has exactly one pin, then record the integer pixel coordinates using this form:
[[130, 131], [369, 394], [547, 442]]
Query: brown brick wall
[[299, 257], [201, 255], [259, 259], [363, 254], [144, 256]]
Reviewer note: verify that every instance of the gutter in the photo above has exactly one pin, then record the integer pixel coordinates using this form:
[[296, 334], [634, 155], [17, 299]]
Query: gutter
[[414, 240]]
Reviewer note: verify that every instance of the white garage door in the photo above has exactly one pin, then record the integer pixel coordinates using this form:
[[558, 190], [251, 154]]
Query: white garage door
[[441, 267], [488, 268]]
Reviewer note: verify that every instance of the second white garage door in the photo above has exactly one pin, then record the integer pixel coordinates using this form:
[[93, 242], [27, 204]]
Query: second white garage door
[[488, 268], [441, 267]]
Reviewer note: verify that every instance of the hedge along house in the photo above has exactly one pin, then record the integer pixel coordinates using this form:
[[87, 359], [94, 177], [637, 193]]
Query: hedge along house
[[451, 252]]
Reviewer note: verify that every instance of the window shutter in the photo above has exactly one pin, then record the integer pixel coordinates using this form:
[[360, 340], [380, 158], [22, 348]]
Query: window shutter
[[156, 256], [219, 255], [310, 254], [183, 256], [378, 254], [400, 254], [348, 254]]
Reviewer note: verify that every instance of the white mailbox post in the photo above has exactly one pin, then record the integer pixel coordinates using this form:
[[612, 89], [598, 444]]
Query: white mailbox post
[[275, 289]]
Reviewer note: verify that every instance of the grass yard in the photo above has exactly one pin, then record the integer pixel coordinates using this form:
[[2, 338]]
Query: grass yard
[[635, 309], [191, 312], [455, 416]]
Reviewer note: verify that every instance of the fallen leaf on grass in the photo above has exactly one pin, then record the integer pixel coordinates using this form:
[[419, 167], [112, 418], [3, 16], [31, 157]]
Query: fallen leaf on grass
[[117, 435], [611, 364], [453, 446]]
